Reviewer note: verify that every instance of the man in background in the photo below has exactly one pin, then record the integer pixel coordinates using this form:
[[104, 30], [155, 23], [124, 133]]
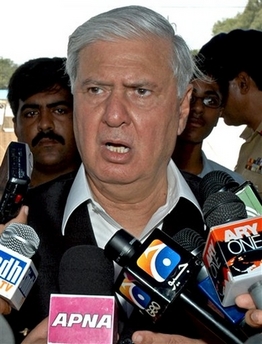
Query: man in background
[[235, 61], [206, 106], [40, 98], [42, 103]]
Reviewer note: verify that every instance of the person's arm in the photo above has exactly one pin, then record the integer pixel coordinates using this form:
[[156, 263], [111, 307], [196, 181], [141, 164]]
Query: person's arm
[[147, 337], [20, 218], [38, 335], [5, 308], [253, 316]]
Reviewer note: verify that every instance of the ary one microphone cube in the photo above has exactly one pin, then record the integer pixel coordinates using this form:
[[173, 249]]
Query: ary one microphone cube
[[233, 257]]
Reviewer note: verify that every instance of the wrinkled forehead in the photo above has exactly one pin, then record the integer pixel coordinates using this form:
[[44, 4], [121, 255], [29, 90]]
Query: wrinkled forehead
[[126, 57]]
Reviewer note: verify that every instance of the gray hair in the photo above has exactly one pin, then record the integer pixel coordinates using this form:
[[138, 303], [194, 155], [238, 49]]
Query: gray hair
[[131, 22]]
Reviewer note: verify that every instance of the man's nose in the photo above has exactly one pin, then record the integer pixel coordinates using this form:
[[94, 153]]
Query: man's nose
[[45, 121], [116, 110]]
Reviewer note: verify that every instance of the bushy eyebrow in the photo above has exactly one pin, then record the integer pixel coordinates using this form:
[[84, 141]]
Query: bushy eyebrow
[[50, 105], [131, 84]]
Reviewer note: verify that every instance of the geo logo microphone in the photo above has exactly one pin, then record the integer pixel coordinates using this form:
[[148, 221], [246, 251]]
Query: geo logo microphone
[[154, 272], [158, 260], [133, 293]]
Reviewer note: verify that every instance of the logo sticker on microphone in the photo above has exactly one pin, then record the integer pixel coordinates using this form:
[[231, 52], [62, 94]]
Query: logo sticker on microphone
[[158, 260], [11, 267], [134, 293]]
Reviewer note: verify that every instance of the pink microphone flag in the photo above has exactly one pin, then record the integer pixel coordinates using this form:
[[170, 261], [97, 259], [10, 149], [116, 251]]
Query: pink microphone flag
[[82, 319]]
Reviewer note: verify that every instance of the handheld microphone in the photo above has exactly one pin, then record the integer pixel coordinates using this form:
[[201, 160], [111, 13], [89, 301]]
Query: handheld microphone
[[15, 174], [18, 243], [233, 251], [193, 242], [217, 181], [86, 311], [154, 272], [159, 271]]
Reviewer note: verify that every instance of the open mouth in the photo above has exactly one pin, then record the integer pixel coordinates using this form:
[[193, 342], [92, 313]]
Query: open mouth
[[117, 148]]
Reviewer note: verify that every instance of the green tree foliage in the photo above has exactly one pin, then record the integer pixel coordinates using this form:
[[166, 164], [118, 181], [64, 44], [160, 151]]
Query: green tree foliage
[[251, 18], [7, 68]]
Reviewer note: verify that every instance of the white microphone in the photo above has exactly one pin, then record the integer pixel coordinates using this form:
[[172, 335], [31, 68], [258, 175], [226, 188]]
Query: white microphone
[[233, 251], [18, 243]]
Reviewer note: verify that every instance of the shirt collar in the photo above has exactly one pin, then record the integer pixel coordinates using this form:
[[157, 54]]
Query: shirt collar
[[177, 187], [79, 193], [248, 132]]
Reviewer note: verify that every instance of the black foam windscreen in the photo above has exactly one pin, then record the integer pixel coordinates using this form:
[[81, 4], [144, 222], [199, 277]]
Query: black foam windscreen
[[190, 240], [20, 238], [223, 207], [215, 181], [85, 270]]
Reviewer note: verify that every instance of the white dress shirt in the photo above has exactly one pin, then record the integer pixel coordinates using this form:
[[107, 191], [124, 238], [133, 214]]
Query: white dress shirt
[[105, 226]]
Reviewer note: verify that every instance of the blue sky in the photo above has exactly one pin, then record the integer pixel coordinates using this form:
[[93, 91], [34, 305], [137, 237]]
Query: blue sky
[[30, 28]]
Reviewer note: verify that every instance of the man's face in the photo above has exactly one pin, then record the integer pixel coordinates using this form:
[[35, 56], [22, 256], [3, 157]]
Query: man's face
[[234, 109], [126, 110], [202, 117], [45, 122]]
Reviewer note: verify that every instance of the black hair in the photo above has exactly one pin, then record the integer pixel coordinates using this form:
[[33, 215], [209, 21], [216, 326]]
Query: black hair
[[35, 76], [211, 70], [228, 54]]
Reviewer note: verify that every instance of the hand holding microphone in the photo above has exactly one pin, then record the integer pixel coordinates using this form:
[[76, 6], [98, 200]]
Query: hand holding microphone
[[38, 334], [253, 316], [5, 308]]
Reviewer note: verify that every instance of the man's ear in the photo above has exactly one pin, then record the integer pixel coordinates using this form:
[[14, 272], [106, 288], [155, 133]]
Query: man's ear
[[184, 109], [14, 122], [244, 82]]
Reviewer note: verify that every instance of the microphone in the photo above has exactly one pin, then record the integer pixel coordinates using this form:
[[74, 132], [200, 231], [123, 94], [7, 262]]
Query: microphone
[[15, 174], [194, 243], [154, 272], [223, 207], [157, 272], [217, 181], [85, 311], [233, 251], [18, 243]]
